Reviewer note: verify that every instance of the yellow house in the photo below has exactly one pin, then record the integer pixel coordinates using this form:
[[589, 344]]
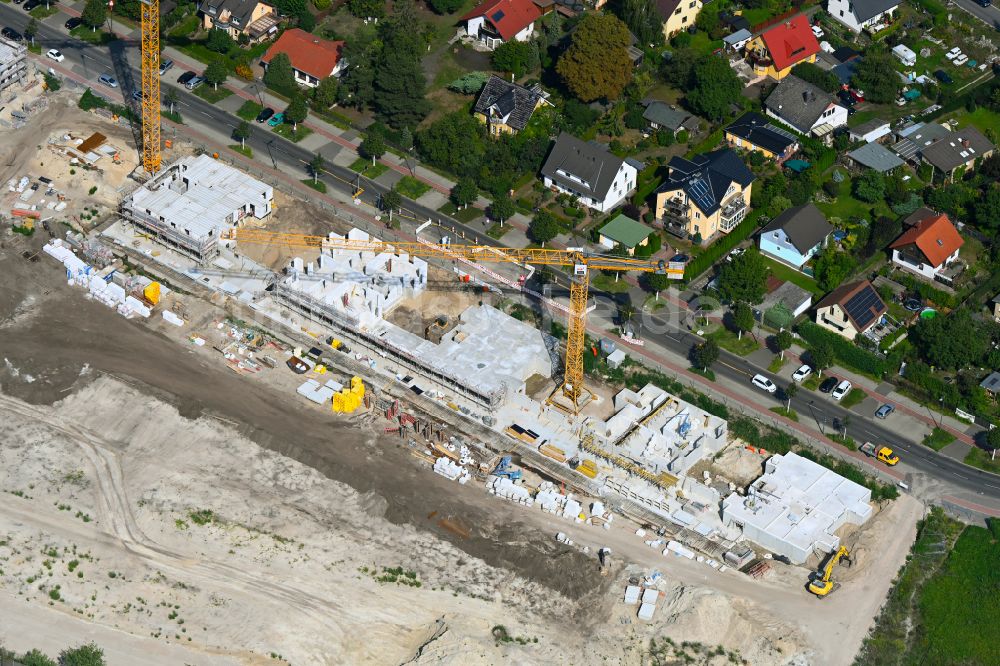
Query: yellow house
[[677, 15], [506, 107], [775, 51], [256, 20], [752, 132], [705, 196]]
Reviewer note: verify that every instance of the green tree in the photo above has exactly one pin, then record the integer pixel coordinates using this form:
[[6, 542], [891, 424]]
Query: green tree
[[278, 74], [325, 94], [513, 57], [643, 20], [469, 84], [373, 145], [216, 72], [85, 655], [243, 132], [501, 208], [743, 280], [316, 166], [783, 341], [219, 41], [715, 87], [456, 143], [95, 12], [307, 21], [544, 227], [37, 658], [446, 6], [790, 392], [406, 139], [991, 443], [365, 9], [597, 65], [987, 209], [464, 192], [391, 201], [742, 319], [778, 205], [821, 78], [951, 342], [31, 30], [869, 186], [705, 354], [833, 268], [876, 76], [357, 81], [170, 98], [654, 282], [678, 70], [399, 77], [297, 111], [821, 356]]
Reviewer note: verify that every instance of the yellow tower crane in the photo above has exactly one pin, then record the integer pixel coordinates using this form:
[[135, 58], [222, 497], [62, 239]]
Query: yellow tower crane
[[150, 20], [581, 263]]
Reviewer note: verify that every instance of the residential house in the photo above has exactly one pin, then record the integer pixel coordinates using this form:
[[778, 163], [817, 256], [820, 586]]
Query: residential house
[[313, 59], [625, 232], [257, 20], [506, 107], [958, 150], [858, 15], [928, 247], [677, 15], [796, 235], [872, 130], [704, 196], [991, 384], [661, 115], [876, 156], [775, 51], [805, 107], [494, 22], [781, 293], [754, 133], [598, 178], [913, 139], [737, 40], [851, 309]]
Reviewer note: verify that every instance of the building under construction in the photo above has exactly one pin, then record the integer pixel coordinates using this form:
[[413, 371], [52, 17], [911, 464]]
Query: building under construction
[[189, 203], [13, 63]]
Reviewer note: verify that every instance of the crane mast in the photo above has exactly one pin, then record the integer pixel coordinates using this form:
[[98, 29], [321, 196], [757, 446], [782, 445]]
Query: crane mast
[[150, 23]]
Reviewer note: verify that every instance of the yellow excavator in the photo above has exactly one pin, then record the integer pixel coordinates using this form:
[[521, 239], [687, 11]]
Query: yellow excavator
[[820, 583]]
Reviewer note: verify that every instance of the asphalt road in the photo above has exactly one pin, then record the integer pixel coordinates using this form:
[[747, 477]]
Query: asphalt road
[[988, 15], [118, 59]]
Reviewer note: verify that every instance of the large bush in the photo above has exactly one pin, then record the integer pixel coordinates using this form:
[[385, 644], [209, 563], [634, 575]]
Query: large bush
[[844, 351]]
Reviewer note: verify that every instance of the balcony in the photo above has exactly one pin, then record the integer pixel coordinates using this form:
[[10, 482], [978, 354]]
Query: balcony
[[732, 214], [676, 213]]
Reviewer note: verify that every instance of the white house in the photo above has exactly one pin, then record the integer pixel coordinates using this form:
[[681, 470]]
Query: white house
[[497, 21], [313, 59], [598, 178], [928, 247], [861, 15]]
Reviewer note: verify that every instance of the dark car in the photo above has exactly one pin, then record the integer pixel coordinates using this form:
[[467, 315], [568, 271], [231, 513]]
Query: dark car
[[74, 22], [12, 34], [828, 384], [137, 95], [679, 259], [31, 4], [185, 77], [265, 114], [846, 98], [984, 3], [942, 76]]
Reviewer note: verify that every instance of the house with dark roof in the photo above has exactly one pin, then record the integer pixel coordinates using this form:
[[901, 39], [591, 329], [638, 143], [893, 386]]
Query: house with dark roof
[[677, 15], [625, 232], [913, 139], [776, 50], [704, 196], [868, 15], [872, 130], [876, 156], [497, 21], [754, 133], [587, 170], [313, 59], [851, 309], [661, 115], [256, 20], [928, 247], [805, 107], [958, 149], [506, 107], [796, 235]]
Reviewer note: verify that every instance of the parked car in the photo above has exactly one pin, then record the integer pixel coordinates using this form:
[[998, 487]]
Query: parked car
[[55, 55], [843, 388], [12, 35], [276, 120], [884, 411], [951, 55], [31, 4], [185, 77], [137, 95], [984, 3], [763, 383], [679, 259], [194, 83], [735, 253], [828, 384], [818, 31], [73, 22], [108, 80], [961, 60], [265, 114], [942, 76], [846, 98], [804, 371], [165, 65], [858, 95]]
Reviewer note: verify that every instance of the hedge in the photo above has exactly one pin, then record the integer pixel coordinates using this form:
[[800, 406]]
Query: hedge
[[845, 351], [714, 252]]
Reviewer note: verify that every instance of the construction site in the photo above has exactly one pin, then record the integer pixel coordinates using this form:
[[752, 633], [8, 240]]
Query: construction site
[[394, 414]]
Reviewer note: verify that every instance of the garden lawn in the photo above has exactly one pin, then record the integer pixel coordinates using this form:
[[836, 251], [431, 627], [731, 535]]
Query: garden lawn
[[607, 283], [730, 341], [285, 130], [246, 152], [466, 215], [210, 95], [981, 459], [982, 118], [855, 397], [319, 185], [249, 110], [85, 34], [789, 274], [938, 439], [365, 167], [412, 188]]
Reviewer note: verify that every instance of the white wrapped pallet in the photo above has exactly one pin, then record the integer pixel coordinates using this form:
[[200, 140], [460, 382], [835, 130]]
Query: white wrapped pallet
[[632, 593], [646, 612], [172, 318]]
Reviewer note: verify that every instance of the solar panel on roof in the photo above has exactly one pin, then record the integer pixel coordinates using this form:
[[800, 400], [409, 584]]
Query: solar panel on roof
[[497, 15], [701, 194], [864, 306]]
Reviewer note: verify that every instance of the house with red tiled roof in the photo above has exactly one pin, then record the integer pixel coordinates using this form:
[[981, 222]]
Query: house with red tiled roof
[[313, 59], [928, 247], [776, 50], [497, 21]]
